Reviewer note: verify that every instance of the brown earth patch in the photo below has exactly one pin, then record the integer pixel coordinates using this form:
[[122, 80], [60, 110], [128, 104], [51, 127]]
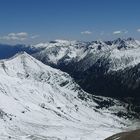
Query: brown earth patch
[[133, 135]]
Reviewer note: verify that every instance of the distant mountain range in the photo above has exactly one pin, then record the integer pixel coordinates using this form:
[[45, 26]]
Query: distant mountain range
[[108, 68]]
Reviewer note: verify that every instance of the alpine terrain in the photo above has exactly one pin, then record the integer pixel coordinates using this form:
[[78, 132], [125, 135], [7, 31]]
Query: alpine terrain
[[108, 68], [38, 102]]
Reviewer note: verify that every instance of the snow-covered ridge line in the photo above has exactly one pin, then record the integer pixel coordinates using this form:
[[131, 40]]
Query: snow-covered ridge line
[[16, 55], [40, 102], [119, 54], [110, 65]]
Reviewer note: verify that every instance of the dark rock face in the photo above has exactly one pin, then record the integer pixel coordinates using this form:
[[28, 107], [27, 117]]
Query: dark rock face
[[122, 84], [133, 135]]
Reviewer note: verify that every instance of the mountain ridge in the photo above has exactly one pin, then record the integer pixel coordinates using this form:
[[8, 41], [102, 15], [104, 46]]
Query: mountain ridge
[[36, 100], [108, 68]]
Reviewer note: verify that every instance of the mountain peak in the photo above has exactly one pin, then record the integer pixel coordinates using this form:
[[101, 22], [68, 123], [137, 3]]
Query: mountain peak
[[22, 54], [21, 64], [130, 39], [119, 41]]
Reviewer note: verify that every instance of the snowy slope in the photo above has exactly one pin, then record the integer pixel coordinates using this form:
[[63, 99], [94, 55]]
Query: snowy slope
[[38, 102]]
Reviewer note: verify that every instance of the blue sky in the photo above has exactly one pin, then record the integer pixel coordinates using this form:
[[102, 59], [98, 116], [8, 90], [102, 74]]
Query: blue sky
[[33, 21]]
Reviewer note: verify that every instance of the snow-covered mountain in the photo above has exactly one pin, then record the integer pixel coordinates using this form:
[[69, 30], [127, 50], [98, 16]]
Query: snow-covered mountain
[[38, 102], [7, 51], [120, 53], [109, 68]]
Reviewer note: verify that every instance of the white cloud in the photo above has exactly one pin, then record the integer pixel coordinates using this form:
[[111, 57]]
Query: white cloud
[[21, 36], [138, 30], [125, 32], [120, 32], [117, 32], [86, 32], [34, 36], [15, 36]]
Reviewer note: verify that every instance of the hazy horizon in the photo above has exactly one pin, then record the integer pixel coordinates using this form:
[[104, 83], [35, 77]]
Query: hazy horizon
[[31, 22]]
